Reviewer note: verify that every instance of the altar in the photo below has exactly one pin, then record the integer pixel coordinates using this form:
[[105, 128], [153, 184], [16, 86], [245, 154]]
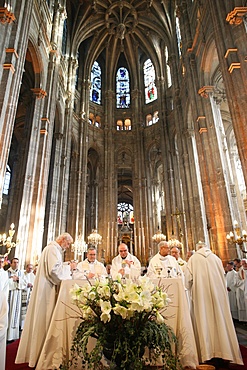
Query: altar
[[65, 320]]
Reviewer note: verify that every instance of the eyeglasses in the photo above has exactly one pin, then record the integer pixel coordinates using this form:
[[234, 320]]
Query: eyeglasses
[[124, 250]]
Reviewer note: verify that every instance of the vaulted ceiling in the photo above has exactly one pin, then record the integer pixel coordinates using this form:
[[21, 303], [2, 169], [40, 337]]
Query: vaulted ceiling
[[131, 27]]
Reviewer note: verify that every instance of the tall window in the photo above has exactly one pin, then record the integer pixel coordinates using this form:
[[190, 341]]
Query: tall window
[[7, 179], [149, 82], [125, 213], [168, 70], [122, 88], [95, 93], [64, 39], [179, 39]]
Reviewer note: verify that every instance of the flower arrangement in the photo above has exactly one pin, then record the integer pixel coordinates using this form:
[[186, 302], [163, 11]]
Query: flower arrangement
[[125, 319]]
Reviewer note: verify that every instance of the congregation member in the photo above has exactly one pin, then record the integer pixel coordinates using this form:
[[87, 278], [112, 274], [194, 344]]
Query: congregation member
[[163, 264], [175, 252], [29, 278], [240, 292], [125, 264], [52, 270], [213, 326], [4, 279], [231, 278], [90, 267], [16, 285], [3, 328], [189, 254], [108, 270]]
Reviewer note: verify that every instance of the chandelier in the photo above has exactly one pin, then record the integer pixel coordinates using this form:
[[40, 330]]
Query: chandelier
[[237, 237], [94, 238], [158, 237], [6, 241], [79, 247], [173, 242]]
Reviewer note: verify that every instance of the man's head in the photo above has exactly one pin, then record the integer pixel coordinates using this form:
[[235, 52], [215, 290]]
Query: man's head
[[1, 262], [200, 244], [230, 266], [14, 263], [164, 249], [91, 254], [64, 240], [29, 268], [175, 252], [108, 269], [123, 250], [189, 254]]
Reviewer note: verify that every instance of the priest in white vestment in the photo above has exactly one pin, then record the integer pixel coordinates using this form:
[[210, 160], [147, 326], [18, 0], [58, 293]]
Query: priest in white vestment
[[4, 279], [231, 277], [211, 316], [16, 285], [52, 270], [3, 328], [90, 267], [240, 294], [125, 264], [163, 264], [29, 278]]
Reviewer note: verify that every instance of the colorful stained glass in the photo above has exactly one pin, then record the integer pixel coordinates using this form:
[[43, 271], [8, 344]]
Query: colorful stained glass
[[95, 92], [122, 88], [149, 82]]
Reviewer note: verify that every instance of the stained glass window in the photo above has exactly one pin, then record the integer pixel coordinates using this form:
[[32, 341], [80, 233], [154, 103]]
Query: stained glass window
[[125, 213], [95, 92], [7, 179], [149, 82], [122, 88]]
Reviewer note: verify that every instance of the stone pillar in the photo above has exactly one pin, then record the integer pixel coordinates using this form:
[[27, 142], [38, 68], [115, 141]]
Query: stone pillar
[[26, 221], [231, 39], [13, 47]]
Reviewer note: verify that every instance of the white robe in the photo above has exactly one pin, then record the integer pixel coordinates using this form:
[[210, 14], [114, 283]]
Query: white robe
[[231, 277], [15, 303], [3, 328], [168, 265], [85, 266], [29, 278], [240, 295], [213, 327], [42, 303], [134, 271], [4, 282]]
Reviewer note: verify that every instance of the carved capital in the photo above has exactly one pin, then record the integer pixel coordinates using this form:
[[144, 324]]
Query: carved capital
[[236, 15], [6, 16], [205, 91], [39, 93]]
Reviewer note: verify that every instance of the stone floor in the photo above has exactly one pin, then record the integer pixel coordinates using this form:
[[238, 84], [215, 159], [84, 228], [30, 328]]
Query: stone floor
[[241, 330]]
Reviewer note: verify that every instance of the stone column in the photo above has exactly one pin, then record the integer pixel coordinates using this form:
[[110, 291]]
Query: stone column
[[13, 47]]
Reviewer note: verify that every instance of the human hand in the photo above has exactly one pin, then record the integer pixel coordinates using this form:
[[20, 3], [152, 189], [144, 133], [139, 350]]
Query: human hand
[[129, 263]]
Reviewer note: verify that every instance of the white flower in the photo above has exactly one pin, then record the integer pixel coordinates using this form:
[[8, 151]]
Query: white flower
[[159, 318], [105, 306], [105, 317]]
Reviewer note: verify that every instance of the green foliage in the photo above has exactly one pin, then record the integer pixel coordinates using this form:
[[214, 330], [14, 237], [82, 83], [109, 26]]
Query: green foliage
[[122, 336]]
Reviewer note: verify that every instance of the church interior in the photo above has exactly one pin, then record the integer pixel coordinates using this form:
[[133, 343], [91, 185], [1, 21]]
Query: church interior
[[123, 121]]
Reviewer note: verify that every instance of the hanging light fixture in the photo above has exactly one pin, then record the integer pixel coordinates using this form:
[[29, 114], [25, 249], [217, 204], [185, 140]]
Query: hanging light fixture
[[79, 247], [237, 237], [158, 237], [173, 242], [94, 238], [7, 241]]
